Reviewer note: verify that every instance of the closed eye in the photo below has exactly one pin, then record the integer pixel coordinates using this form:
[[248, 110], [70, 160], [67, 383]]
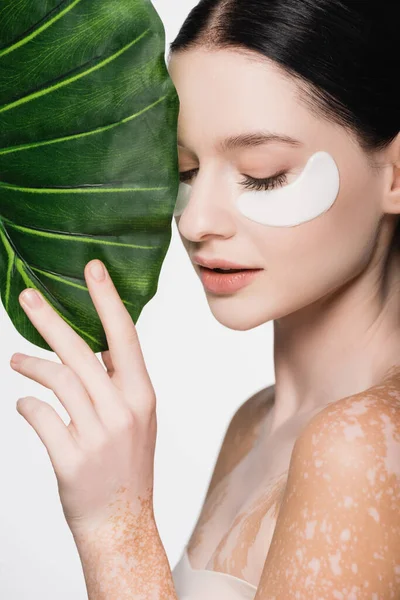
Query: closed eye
[[267, 183]]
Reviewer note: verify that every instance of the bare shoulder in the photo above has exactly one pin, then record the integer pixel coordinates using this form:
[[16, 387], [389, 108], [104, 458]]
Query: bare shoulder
[[354, 416], [339, 516], [241, 433]]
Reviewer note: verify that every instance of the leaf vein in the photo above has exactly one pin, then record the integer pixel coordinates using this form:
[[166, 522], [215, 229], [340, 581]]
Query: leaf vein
[[62, 279], [73, 237], [70, 80], [68, 138], [39, 30]]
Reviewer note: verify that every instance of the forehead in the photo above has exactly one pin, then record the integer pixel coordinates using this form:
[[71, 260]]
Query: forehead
[[225, 92]]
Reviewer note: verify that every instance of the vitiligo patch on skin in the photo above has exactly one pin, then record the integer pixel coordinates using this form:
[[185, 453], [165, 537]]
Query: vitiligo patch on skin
[[124, 558], [348, 523], [310, 195], [310, 538]]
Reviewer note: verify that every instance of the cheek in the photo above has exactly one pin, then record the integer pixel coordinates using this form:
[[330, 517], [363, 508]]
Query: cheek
[[352, 224], [305, 262]]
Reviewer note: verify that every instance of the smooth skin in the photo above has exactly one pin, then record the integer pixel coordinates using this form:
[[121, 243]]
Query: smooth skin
[[104, 457]]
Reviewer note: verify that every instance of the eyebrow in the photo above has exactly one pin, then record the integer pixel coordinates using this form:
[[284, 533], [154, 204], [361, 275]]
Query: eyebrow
[[256, 138]]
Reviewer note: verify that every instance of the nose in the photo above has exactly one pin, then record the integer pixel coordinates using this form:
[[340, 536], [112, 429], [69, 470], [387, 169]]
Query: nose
[[208, 212]]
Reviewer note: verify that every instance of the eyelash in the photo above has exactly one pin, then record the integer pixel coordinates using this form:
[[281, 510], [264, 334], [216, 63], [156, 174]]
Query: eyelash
[[269, 183]]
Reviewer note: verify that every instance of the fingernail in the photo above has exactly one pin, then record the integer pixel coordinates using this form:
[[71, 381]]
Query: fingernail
[[31, 298], [20, 402], [16, 358], [97, 270]]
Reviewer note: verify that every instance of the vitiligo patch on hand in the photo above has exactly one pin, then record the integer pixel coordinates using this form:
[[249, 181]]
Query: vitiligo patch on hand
[[310, 195]]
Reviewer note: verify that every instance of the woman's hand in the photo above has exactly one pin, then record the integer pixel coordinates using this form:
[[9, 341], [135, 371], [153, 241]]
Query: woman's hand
[[104, 458]]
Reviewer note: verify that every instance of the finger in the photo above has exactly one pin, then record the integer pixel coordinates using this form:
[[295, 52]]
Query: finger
[[105, 355], [74, 352], [67, 387], [60, 445], [123, 341]]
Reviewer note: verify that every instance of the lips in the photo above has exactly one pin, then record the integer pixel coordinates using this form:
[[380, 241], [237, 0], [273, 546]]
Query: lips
[[220, 263], [227, 282], [226, 270]]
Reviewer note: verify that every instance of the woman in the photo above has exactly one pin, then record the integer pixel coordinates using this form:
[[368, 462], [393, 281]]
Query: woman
[[305, 495], [323, 74]]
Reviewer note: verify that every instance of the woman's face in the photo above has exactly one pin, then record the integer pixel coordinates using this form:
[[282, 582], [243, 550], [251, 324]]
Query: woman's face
[[226, 93]]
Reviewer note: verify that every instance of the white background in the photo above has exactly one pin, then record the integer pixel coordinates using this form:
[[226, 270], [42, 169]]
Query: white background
[[201, 371]]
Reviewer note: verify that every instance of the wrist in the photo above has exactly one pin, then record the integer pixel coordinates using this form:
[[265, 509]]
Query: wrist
[[122, 525], [125, 559]]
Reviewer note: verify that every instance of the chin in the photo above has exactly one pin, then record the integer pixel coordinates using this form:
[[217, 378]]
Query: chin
[[242, 312], [239, 317]]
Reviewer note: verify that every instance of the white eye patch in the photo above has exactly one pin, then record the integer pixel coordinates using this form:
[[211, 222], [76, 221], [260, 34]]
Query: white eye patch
[[182, 199], [310, 195]]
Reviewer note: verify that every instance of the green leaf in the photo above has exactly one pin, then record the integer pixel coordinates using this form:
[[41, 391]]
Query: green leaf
[[88, 155]]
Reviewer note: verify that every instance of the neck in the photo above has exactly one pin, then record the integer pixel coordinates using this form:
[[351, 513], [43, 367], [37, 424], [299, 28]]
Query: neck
[[341, 345]]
